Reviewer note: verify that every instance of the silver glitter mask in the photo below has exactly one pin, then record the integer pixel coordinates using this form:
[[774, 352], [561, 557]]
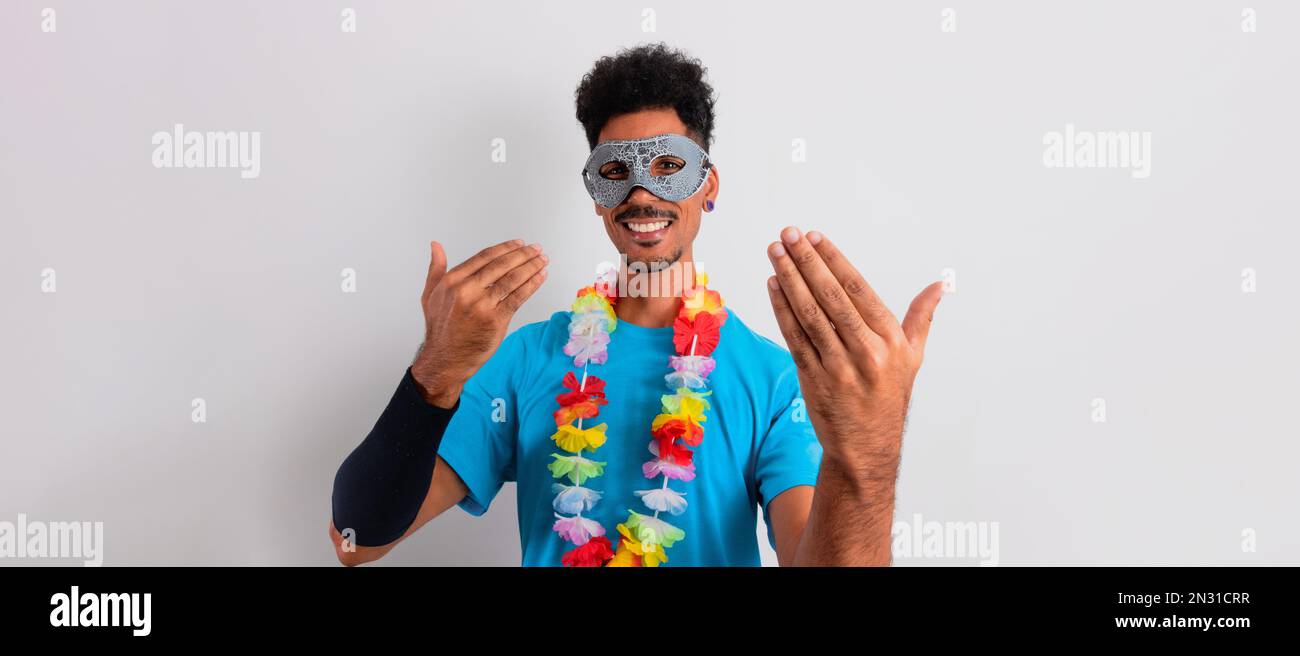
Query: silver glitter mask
[[638, 158]]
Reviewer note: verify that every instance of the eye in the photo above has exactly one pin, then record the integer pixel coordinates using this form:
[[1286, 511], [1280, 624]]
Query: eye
[[666, 165], [613, 171]]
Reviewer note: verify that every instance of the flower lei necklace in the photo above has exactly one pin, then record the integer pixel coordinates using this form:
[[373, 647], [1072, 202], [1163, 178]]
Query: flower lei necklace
[[645, 538]]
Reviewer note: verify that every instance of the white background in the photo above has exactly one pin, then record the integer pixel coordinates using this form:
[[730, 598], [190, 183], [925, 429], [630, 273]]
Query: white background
[[924, 153]]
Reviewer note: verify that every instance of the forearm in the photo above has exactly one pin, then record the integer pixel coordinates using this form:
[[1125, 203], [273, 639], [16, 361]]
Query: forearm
[[851, 519], [445, 491], [382, 486]]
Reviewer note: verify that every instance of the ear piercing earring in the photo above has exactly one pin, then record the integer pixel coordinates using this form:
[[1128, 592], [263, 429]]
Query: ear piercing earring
[[708, 206]]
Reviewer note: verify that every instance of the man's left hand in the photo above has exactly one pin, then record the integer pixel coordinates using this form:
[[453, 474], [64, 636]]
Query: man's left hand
[[856, 363]]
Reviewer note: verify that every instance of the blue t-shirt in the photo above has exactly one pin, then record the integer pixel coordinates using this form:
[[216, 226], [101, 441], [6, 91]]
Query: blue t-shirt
[[758, 439]]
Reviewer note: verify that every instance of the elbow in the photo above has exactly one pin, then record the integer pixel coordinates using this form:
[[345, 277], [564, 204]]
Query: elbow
[[352, 559], [350, 554]]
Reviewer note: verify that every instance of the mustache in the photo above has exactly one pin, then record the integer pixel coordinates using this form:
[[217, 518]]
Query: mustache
[[644, 212]]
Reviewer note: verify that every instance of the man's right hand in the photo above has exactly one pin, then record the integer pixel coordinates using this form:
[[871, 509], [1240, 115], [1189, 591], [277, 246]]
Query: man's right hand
[[467, 310]]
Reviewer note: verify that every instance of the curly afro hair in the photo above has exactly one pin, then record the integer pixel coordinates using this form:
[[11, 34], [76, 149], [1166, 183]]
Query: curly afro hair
[[646, 77]]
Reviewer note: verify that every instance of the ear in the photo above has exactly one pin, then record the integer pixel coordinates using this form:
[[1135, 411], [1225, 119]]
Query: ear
[[711, 185]]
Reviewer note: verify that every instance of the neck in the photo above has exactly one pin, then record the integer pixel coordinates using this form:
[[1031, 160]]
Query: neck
[[651, 312], [653, 299]]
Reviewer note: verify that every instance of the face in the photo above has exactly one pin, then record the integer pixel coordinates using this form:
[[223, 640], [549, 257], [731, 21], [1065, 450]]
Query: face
[[645, 227]]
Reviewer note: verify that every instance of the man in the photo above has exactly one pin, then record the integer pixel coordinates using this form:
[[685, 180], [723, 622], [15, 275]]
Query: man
[[478, 408]]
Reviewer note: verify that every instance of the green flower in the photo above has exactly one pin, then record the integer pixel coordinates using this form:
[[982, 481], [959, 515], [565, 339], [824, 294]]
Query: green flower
[[577, 468], [651, 530]]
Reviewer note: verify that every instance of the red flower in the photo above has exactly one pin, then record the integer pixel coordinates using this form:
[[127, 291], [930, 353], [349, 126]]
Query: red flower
[[580, 403], [595, 553], [593, 387], [703, 330], [672, 450], [690, 432]]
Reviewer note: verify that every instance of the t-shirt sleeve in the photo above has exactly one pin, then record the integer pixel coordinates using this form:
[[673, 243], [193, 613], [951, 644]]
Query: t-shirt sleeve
[[789, 454], [480, 440]]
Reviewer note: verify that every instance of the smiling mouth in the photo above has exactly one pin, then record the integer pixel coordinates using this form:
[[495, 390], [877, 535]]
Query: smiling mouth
[[647, 231]]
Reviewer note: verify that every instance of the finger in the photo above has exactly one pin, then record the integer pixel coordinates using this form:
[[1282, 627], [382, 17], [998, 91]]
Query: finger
[[916, 324], [807, 310], [805, 356], [519, 275], [516, 298], [849, 325], [864, 298], [437, 268], [478, 260], [490, 275]]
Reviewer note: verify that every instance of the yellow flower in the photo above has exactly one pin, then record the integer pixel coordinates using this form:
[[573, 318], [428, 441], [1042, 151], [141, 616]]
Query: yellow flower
[[701, 300], [651, 554], [673, 402], [574, 439], [692, 409], [688, 409], [623, 557]]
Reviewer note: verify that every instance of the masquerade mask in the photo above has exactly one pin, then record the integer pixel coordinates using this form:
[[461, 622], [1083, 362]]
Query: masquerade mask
[[669, 166]]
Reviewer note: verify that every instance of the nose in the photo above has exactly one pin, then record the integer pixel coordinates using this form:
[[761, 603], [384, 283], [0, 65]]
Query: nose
[[640, 194]]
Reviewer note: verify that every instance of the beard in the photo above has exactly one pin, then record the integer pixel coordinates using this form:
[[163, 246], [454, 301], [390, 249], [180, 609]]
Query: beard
[[656, 264]]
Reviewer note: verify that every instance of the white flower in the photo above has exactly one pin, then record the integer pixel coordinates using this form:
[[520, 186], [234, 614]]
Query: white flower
[[589, 322], [663, 500], [573, 499], [578, 530]]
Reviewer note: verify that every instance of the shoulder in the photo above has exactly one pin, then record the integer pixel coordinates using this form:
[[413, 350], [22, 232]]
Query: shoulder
[[766, 364], [539, 336], [760, 354], [736, 333], [524, 353]]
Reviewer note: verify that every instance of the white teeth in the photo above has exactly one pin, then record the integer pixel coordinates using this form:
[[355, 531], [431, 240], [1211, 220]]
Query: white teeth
[[648, 227]]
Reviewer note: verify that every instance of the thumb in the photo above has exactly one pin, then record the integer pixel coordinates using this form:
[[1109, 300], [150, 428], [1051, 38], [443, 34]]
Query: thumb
[[437, 267], [916, 325]]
